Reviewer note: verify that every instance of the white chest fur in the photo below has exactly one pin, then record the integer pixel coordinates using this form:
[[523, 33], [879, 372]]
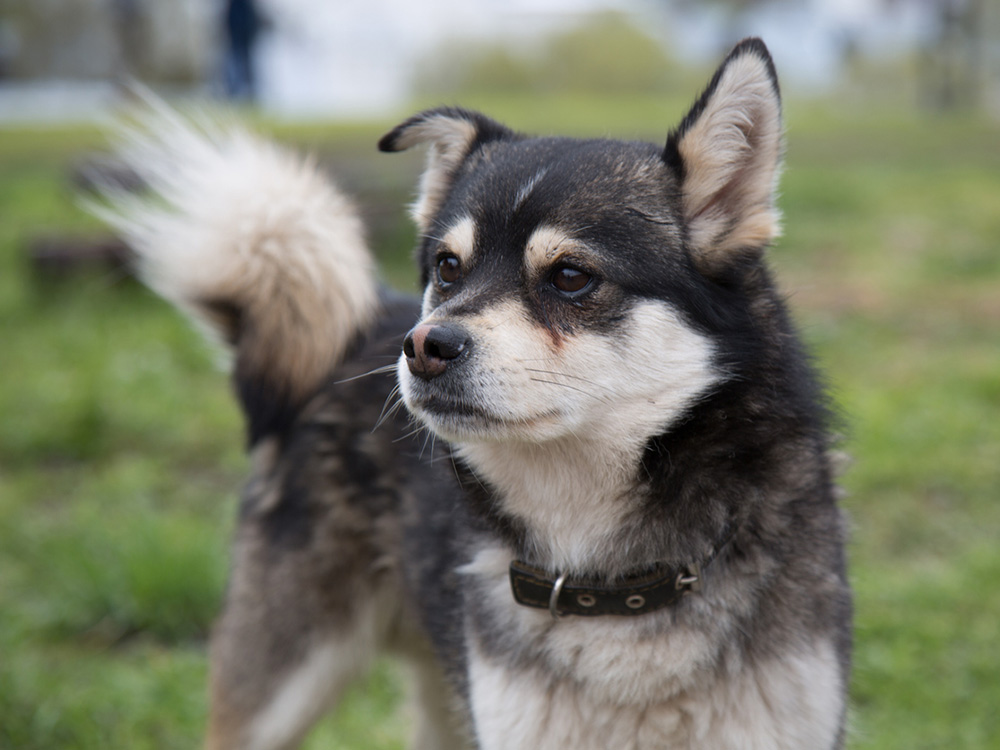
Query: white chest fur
[[624, 683]]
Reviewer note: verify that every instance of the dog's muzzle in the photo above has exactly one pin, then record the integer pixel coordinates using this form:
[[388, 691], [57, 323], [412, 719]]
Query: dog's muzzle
[[430, 349]]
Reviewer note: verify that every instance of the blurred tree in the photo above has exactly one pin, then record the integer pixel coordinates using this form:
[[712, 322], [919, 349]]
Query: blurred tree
[[63, 38], [460, 69], [736, 15], [606, 53], [953, 58], [99, 39]]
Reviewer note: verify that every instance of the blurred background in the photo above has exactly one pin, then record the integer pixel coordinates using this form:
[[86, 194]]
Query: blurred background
[[120, 447], [60, 58]]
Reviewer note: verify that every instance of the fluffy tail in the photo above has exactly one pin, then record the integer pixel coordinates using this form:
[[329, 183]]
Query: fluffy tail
[[253, 243]]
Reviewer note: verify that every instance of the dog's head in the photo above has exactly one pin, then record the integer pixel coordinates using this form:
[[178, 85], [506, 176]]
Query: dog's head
[[581, 287]]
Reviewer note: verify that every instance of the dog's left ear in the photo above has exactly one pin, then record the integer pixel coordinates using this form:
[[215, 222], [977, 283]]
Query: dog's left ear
[[726, 154], [453, 134]]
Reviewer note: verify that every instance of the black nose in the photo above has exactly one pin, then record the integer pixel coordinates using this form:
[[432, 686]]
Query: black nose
[[430, 348]]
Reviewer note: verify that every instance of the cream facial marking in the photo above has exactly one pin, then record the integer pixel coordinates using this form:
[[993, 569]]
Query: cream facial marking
[[460, 239], [545, 246]]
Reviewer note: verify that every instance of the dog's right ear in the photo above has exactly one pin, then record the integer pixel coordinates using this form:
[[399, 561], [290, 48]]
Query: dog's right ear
[[453, 133]]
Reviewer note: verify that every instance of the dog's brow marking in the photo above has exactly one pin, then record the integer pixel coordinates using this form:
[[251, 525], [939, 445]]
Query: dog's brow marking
[[543, 247], [461, 238]]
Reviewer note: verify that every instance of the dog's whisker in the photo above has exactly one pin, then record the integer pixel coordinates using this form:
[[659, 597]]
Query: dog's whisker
[[427, 437], [561, 385], [377, 371], [454, 465], [557, 374], [406, 436], [393, 410], [389, 407], [603, 397], [392, 394], [501, 322]]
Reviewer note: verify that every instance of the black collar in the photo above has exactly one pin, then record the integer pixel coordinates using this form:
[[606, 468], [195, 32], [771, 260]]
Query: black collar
[[646, 592], [638, 595]]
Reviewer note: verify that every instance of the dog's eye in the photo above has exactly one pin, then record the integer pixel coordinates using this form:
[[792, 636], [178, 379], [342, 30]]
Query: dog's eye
[[449, 269], [569, 280]]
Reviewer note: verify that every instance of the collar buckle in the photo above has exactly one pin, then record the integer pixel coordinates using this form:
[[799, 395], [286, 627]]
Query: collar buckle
[[554, 597], [689, 580]]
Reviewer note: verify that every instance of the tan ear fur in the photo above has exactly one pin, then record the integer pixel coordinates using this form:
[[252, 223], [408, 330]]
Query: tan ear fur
[[452, 134], [450, 141], [729, 152]]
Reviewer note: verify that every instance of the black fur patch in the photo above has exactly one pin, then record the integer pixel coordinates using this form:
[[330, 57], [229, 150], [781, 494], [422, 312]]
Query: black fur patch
[[269, 408]]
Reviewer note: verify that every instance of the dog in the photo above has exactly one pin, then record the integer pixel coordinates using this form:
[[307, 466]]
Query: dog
[[606, 517]]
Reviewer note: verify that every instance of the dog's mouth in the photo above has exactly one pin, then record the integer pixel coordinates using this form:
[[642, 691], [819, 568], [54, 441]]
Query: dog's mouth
[[454, 419]]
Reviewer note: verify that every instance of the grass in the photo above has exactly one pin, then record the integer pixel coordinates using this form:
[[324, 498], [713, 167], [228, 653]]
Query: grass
[[121, 454], [891, 253]]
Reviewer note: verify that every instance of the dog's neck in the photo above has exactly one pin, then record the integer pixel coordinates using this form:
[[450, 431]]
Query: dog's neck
[[571, 496]]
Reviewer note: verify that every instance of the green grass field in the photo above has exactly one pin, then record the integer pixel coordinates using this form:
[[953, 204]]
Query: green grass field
[[121, 455]]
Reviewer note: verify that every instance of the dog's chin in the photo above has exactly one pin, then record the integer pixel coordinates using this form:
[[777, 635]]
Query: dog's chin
[[465, 423]]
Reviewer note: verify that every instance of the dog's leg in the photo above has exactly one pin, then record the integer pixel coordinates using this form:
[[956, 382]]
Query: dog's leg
[[435, 723], [293, 701], [298, 626]]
